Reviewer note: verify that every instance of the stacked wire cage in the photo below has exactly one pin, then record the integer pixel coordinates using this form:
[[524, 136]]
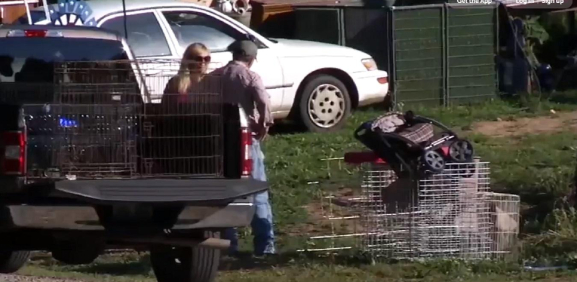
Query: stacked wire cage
[[123, 119], [424, 194], [450, 215], [446, 215], [91, 122]]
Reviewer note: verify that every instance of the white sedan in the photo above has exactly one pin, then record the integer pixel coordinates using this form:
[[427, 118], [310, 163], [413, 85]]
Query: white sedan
[[317, 84]]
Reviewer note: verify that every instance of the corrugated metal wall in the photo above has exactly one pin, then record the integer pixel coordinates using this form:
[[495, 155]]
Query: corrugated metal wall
[[326, 22]]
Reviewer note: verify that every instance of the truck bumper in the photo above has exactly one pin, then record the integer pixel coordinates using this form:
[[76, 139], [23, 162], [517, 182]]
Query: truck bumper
[[75, 204], [85, 218]]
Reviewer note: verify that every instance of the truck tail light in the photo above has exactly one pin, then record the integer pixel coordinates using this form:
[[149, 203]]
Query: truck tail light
[[246, 148], [14, 153], [34, 33]]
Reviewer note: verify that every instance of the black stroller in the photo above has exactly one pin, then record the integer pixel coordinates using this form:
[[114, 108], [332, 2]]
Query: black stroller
[[407, 143]]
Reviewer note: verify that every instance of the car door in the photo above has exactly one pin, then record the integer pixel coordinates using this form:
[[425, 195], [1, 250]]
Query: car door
[[190, 25], [156, 54]]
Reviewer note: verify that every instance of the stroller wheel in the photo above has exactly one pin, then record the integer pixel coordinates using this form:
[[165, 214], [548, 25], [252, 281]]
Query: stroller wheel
[[433, 161], [461, 151]]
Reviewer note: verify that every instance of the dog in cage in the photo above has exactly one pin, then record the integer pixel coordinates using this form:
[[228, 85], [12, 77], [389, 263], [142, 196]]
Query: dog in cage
[[96, 111], [100, 83]]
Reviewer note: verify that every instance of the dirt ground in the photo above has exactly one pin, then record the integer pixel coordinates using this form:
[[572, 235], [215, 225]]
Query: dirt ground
[[319, 214], [19, 278], [554, 122]]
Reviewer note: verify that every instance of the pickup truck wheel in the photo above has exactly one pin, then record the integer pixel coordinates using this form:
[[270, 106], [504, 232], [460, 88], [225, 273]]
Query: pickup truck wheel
[[324, 104], [11, 262], [182, 264]]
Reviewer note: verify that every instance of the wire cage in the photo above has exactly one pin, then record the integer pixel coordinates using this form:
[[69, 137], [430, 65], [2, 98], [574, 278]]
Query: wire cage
[[181, 134], [505, 218], [452, 214], [114, 119], [334, 217], [158, 72]]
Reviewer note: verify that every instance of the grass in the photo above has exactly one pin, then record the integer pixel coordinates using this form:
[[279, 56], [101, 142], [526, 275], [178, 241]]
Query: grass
[[537, 167], [136, 268], [558, 243]]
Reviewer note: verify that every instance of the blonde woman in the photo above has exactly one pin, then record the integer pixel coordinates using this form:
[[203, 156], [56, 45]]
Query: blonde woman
[[193, 69]]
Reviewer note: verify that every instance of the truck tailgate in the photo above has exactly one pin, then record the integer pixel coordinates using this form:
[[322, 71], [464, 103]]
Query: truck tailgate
[[160, 190]]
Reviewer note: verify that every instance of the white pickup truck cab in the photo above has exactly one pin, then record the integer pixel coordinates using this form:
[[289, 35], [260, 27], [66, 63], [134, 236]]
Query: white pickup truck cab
[[318, 84]]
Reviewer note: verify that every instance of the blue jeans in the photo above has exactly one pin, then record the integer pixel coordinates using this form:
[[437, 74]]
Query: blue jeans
[[262, 226]]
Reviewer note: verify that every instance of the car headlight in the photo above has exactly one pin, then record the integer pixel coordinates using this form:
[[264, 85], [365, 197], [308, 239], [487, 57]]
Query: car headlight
[[370, 64]]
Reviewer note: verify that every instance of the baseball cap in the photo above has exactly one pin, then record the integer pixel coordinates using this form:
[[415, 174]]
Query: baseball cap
[[244, 48]]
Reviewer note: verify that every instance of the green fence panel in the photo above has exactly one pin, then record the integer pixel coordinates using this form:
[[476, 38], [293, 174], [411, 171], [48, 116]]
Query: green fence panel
[[418, 50], [471, 39], [444, 54]]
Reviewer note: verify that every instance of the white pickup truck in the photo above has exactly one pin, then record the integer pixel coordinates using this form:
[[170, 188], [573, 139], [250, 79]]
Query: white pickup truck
[[315, 83]]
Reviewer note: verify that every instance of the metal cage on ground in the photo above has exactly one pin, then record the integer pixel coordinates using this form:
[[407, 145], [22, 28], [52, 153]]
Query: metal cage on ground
[[120, 119], [448, 215]]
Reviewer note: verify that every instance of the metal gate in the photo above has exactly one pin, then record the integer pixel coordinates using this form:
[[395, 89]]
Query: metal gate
[[444, 54]]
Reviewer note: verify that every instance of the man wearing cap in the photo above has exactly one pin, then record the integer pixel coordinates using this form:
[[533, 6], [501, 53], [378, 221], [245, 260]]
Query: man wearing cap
[[242, 86]]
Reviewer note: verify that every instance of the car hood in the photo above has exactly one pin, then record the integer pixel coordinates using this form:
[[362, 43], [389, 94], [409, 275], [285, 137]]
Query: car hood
[[302, 48]]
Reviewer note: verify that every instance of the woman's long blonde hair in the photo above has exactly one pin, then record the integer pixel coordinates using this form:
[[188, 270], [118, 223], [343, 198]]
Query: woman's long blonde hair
[[184, 71]]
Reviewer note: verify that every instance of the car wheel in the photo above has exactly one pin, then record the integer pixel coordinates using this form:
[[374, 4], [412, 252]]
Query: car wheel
[[324, 104], [185, 264], [12, 261]]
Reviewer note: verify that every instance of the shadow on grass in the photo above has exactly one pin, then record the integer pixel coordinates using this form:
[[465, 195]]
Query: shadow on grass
[[244, 261], [288, 126], [285, 127], [569, 97], [105, 265], [140, 266]]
